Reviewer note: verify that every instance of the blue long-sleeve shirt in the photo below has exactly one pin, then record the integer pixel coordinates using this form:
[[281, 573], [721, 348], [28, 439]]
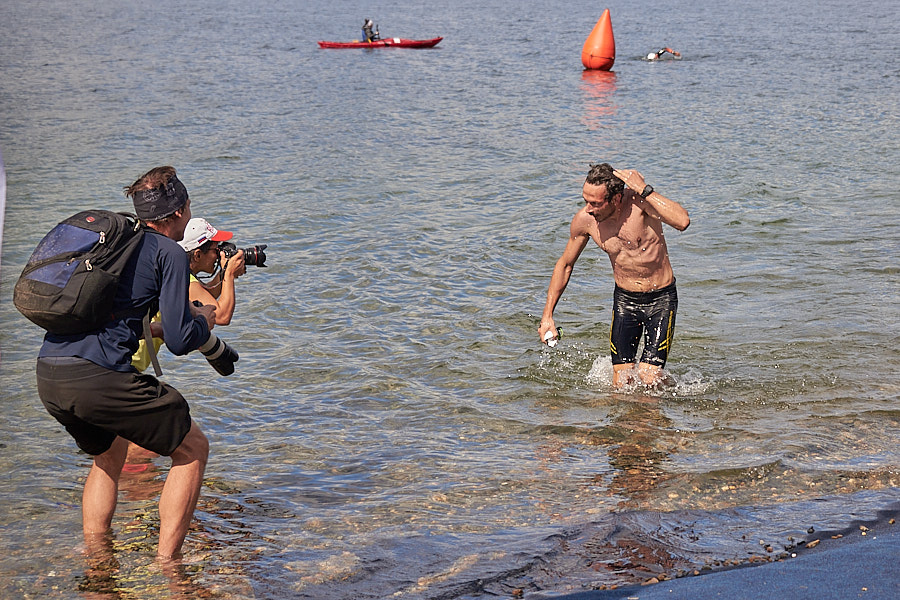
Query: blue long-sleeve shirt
[[159, 268]]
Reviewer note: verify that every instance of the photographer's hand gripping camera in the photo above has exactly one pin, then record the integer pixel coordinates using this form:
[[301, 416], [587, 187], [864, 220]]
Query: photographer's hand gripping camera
[[219, 354]]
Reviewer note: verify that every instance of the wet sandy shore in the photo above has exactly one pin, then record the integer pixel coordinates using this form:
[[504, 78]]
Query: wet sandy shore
[[859, 561]]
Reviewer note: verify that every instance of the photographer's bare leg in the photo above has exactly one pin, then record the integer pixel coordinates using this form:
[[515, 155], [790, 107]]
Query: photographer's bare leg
[[181, 491], [101, 490]]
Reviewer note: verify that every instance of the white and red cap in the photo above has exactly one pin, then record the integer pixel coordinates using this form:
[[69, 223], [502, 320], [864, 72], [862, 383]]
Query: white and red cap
[[199, 231]]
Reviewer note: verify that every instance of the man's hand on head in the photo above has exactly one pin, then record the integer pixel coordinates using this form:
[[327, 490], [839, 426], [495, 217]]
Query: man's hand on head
[[632, 179]]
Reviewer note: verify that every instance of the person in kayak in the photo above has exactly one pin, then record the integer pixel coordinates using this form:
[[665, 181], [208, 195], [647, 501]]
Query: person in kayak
[[370, 32], [659, 54], [628, 225]]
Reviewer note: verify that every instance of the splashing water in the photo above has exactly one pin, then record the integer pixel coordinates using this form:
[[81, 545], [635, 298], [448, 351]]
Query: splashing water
[[691, 383]]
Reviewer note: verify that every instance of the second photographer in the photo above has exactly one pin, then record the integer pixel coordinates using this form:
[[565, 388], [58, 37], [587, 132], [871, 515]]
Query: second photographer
[[201, 242]]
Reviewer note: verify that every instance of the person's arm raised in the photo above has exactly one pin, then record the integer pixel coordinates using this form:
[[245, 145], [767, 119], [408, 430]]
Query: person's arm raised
[[225, 300], [655, 204]]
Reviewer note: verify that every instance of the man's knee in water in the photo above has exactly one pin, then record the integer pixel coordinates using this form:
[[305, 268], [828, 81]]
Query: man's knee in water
[[647, 374], [654, 375], [623, 374]]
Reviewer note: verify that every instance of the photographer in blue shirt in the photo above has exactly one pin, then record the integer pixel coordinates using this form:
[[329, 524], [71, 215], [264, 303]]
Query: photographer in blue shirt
[[88, 384]]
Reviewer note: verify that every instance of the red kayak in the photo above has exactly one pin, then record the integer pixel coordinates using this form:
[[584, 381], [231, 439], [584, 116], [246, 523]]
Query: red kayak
[[384, 43]]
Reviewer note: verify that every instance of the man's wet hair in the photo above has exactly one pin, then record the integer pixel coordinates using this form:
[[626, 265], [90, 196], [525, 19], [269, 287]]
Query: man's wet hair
[[602, 174]]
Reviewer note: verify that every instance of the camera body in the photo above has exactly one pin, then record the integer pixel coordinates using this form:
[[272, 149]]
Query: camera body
[[252, 256]]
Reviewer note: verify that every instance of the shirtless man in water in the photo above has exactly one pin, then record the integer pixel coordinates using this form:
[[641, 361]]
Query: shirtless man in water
[[627, 225]]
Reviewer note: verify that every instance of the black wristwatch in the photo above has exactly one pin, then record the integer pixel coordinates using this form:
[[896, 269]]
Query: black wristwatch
[[648, 189]]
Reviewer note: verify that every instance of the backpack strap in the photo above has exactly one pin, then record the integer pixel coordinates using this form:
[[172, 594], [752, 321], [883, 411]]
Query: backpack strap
[[151, 347], [148, 336]]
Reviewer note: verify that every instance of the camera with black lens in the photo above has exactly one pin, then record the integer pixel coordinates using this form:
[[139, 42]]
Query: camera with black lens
[[219, 354], [252, 256]]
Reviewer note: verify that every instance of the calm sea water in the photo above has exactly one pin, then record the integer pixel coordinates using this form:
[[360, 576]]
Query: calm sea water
[[394, 428]]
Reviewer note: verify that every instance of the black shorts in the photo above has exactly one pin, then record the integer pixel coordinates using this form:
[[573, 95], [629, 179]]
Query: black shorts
[[650, 313], [96, 404]]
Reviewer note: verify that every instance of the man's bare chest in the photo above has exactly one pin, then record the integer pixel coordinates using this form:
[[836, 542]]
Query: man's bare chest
[[631, 234]]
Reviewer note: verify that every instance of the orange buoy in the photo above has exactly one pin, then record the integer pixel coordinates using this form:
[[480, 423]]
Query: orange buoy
[[599, 51]]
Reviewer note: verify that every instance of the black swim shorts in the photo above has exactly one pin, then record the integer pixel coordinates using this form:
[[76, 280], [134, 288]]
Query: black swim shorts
[[96, 404], [652, 313]]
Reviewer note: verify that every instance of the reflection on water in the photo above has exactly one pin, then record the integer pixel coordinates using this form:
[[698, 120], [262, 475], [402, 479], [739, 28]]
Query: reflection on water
[[223, 546], [141, 478], [106, 577], [639, 439], [599, 97]]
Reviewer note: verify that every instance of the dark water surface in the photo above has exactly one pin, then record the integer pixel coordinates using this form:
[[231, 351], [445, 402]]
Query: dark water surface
[[394, 429]]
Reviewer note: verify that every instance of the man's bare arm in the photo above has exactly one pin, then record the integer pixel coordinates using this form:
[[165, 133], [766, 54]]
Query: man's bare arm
[[562, 272], [656, 205]]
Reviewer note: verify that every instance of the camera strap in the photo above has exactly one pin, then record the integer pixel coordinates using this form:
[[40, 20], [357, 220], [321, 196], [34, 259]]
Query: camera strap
[[205, 280]]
